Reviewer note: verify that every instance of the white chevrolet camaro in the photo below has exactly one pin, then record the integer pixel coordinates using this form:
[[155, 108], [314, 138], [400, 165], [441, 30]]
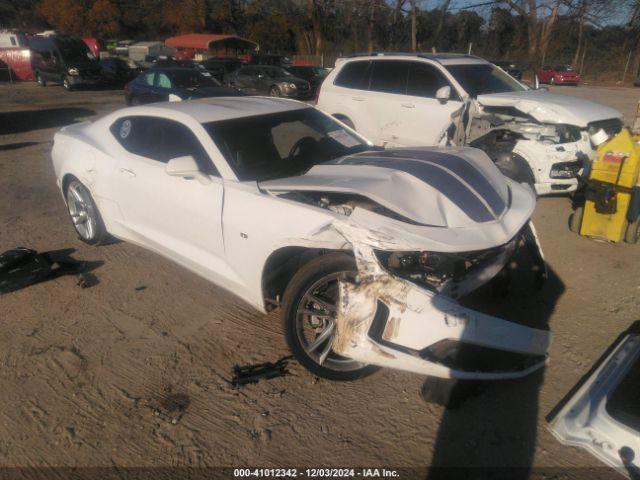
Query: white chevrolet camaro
[[366, 251]]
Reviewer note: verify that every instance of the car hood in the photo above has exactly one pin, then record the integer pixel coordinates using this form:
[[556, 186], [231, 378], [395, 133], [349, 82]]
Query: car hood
[[432, 187], [550, 107], [202, 92]]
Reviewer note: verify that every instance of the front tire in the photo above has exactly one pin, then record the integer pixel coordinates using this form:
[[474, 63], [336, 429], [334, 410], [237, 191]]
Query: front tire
[[84, 213], [275, 92], [308, 314], [517, 168]]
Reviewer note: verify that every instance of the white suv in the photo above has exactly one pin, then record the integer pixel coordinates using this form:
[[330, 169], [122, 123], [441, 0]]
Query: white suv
[[399, 100]]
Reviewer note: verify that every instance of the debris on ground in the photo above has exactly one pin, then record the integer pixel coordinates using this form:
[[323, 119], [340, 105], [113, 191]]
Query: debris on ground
[[245, 374], [22, 267]]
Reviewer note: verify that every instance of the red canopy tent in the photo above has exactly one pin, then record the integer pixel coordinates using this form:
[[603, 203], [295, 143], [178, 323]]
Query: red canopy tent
[[210, 45]]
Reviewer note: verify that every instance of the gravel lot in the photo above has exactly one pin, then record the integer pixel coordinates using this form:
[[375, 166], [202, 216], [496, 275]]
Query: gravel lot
[[133, 371]]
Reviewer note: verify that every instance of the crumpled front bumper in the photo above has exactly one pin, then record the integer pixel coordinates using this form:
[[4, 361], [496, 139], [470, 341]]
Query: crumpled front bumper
[[391, 322]]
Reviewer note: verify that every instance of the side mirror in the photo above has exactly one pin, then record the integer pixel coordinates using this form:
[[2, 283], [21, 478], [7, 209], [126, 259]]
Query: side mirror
[[185, 167], [443, 94]]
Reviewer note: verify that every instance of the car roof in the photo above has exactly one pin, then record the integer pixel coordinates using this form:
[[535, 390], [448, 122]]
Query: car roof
[[220, 108], [443, 58]]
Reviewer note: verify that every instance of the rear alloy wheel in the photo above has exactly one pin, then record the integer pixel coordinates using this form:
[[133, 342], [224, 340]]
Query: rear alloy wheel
[[84, 214], [309, 317], [41, 81], [275, 92], [66, 83]]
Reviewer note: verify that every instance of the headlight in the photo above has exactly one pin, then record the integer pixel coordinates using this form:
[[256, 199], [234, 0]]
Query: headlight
[[565, 169], [73, 71]]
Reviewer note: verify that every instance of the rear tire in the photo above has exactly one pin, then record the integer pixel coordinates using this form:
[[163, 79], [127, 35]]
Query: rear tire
[[632, 234], [66, 84], [310, 281], [41, 81]]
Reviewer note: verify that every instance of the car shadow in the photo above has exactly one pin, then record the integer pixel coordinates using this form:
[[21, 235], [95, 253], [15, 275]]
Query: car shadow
[[27, 120], [491, 431]]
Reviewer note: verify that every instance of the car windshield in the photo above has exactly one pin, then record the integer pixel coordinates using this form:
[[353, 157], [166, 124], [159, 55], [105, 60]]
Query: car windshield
[[275, 72], [190, 78], [563, 68], [479, 79], [283, 144]]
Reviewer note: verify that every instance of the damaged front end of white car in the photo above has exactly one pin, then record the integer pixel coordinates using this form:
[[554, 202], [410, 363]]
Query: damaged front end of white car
[[537, 137], [426, 227]]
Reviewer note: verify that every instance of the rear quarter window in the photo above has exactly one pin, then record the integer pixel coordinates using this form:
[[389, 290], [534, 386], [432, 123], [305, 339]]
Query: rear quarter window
[[354, 75]]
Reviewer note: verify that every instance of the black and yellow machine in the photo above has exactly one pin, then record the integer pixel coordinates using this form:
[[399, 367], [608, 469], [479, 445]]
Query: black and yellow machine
[[611, 208]]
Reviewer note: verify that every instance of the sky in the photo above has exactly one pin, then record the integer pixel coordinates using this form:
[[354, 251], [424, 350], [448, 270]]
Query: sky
[[617, 17]]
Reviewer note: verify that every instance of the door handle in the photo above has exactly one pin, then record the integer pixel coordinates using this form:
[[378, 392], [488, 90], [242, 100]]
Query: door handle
[[357, 99], [408, 105], [128, 171]]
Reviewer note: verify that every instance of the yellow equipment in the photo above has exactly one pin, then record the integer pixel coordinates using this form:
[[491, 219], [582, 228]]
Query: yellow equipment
[[612, 197]]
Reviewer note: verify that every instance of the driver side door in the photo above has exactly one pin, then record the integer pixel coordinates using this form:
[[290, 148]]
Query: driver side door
[[179, 217]]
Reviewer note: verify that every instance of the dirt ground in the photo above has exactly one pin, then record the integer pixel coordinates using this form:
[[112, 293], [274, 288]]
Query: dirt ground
[[133, 371]]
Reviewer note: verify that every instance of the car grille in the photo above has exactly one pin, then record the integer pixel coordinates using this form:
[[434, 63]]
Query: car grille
[[612, 126]]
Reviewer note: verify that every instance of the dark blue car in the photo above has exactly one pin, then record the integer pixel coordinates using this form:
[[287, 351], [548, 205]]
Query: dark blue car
[[174, 83]]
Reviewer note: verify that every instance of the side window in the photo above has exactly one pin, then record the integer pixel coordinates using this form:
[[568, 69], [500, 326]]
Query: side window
[[148, 78], [163, 80], [389, 76], [354, 75], [161, 140], [425, 80], [180, 141]]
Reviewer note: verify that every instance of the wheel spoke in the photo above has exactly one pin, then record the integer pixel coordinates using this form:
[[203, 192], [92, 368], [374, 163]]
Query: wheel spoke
[[325, 352], [323, 337]]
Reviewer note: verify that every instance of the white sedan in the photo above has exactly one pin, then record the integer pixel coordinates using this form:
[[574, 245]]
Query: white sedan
[[364, 250]]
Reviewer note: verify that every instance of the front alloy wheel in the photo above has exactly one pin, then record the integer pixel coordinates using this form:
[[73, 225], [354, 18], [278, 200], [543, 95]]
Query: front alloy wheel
[[309, 314]]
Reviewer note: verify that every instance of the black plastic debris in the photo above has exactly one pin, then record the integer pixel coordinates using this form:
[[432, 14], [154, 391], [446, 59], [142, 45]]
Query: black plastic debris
[[245, 374], [22, 267], [87, 280]]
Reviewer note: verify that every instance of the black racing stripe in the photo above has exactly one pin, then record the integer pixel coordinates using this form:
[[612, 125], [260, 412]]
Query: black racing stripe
[[460, 167], [440, 179]]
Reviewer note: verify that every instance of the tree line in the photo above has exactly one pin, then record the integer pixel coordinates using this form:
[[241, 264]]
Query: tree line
[[601, 38]]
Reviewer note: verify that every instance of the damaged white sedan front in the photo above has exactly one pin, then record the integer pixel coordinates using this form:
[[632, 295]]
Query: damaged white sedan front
[[368, 253]]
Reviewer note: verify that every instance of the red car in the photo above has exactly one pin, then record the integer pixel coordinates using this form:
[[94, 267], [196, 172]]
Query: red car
[[558, 75]]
